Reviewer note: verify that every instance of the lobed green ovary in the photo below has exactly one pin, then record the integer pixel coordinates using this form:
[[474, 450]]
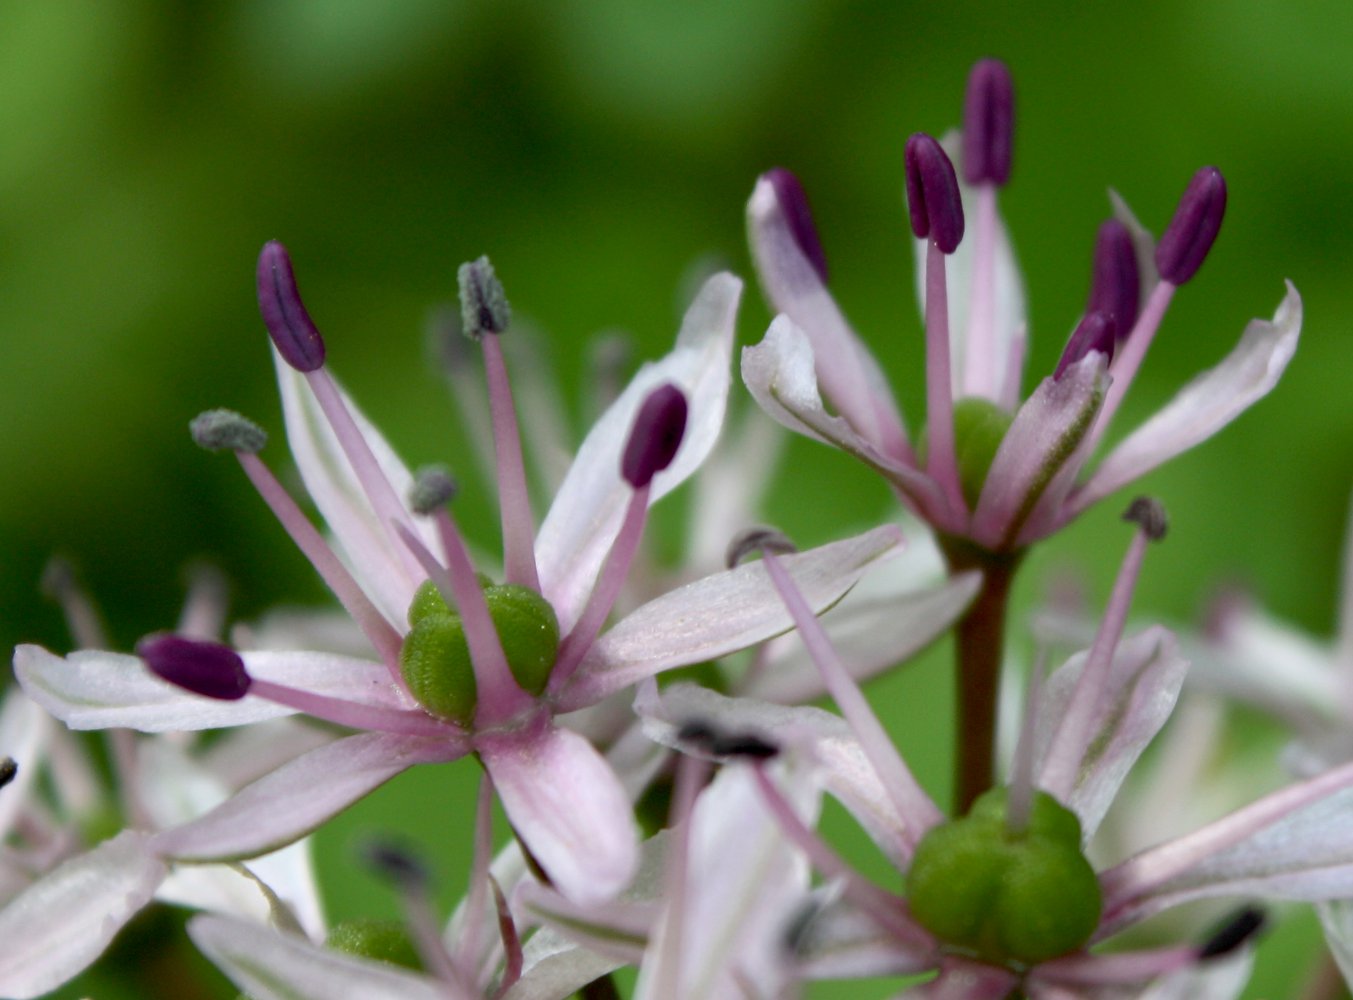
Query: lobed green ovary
[[435, 657], [1014, 898], [979, 429], [382, 940]]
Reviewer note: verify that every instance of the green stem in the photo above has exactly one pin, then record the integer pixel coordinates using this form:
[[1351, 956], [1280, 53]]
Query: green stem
[[978, 650]]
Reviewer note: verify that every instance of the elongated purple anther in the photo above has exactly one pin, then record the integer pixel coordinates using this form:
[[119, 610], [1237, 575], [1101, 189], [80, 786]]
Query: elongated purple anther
[[1095, 332], [206, 668], [296, 337], [1116, 285], [1193, 230], [656, 436], [794, 204], [988, 123], [932, 193], [483, 303]]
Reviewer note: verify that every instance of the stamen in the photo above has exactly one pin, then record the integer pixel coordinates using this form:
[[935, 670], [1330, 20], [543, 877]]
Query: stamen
[[1019, 801], [352, 714], [1115, 287], [379, 632], [82, 618], [915, 809], [691, 773], [1187, 239], [794, 204], [513, 958], [484, 309], [1073, 734], [204, 610], [468, 950], [988, 123], [226, 430], [1238, 930], [411, 877], [1095, 332], [292, 331], [932, 193], [9, 769], [433, 487], [206, 668], [753, 541], [655, 437]]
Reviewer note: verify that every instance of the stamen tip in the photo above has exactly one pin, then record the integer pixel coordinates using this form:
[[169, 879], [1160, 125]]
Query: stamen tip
[[292, 331], [656, 435], [433, 488], [1115, 285], [793, 203], [1095, 332], [396, 863], [1193, 229], [9, 769], [748, 745], [755, 540], [483, 303], [1238, 930], [226, 430], [206, 668], [1149, 514], [988, 123], [933, 198]]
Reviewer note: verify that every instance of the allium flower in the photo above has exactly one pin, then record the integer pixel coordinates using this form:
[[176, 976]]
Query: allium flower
[[1003, 899], [464, 665], [988, 468]]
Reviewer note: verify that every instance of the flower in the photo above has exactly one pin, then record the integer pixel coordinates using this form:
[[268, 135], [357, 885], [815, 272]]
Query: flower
[[986, 933], [988, 468], [462, 666]]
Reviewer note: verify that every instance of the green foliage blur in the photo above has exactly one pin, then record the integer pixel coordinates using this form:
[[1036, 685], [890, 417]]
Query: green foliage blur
[[600, 151]]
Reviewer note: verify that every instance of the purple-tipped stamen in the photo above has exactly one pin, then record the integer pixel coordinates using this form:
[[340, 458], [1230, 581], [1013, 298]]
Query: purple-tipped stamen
[[988, 123], [1193, 230], [658, 429], [292, 331], [206, 668], [1095, 332], [1116, 287], [932, 193], [794, 204]]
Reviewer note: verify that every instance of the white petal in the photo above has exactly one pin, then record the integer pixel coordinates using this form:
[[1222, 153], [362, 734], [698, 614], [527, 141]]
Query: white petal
[[1204, 406], [587, 512], [290, 802], [269, 965], [63, 922], [383, 568], [568, 807], [780, 372], [1219, 979], [25, 732], [716, 616], [1337, 919], [1139, 694], [92, 689], [554, 967]]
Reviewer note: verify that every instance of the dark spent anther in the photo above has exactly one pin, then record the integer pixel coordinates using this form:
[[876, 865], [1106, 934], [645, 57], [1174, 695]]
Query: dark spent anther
[[206, 668], [483, 303], [1095, 332], [226, 430], [396, 864], [1236, 931], [655, 437], [747, 745], [1116, 285], [932, 193], [988, 123], [1193, 230], [1149, 514], [794, 204], [698, 732], [293, 333], [755, 540], [9, 769], [433, 488]]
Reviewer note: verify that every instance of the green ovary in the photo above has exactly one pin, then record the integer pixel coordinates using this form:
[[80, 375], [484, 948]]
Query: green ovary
[[1011, 898], [435, 658], [382, 940], [979, 429]]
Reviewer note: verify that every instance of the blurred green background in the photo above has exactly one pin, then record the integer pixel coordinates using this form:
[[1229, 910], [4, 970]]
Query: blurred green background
[[597, 150]]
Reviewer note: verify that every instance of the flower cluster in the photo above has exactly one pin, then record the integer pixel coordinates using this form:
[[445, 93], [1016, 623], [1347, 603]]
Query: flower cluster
[[545, 665]]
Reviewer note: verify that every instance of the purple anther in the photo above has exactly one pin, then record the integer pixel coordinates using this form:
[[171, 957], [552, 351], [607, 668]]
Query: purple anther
[[1238, 930], [1115, 286], [988, 123], [1148, 513], [296, 337], [755, 540], [932, 193], [206, 668], [483, 303], [1095, 332], [656, 436], [794, 204], [1193, 230]]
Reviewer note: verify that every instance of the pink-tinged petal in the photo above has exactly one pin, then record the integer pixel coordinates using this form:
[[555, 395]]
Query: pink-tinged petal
[[382, 568], [715, 616], [843, 769], [556, 967], [1219, 979], [1204, 406], [794, 285], [25, 733], [781, 374], [836, 940], [269, 965], [91, 689], [227, 890], [1042, 437], [1143, 684], [590, 505], [1337, 919], [618, 928], [60, 924], [962, 979], [290, 802], [869, 635], [568, 807]]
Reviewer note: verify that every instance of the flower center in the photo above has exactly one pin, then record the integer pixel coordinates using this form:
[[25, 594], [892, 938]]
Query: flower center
[[1013, 897]]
